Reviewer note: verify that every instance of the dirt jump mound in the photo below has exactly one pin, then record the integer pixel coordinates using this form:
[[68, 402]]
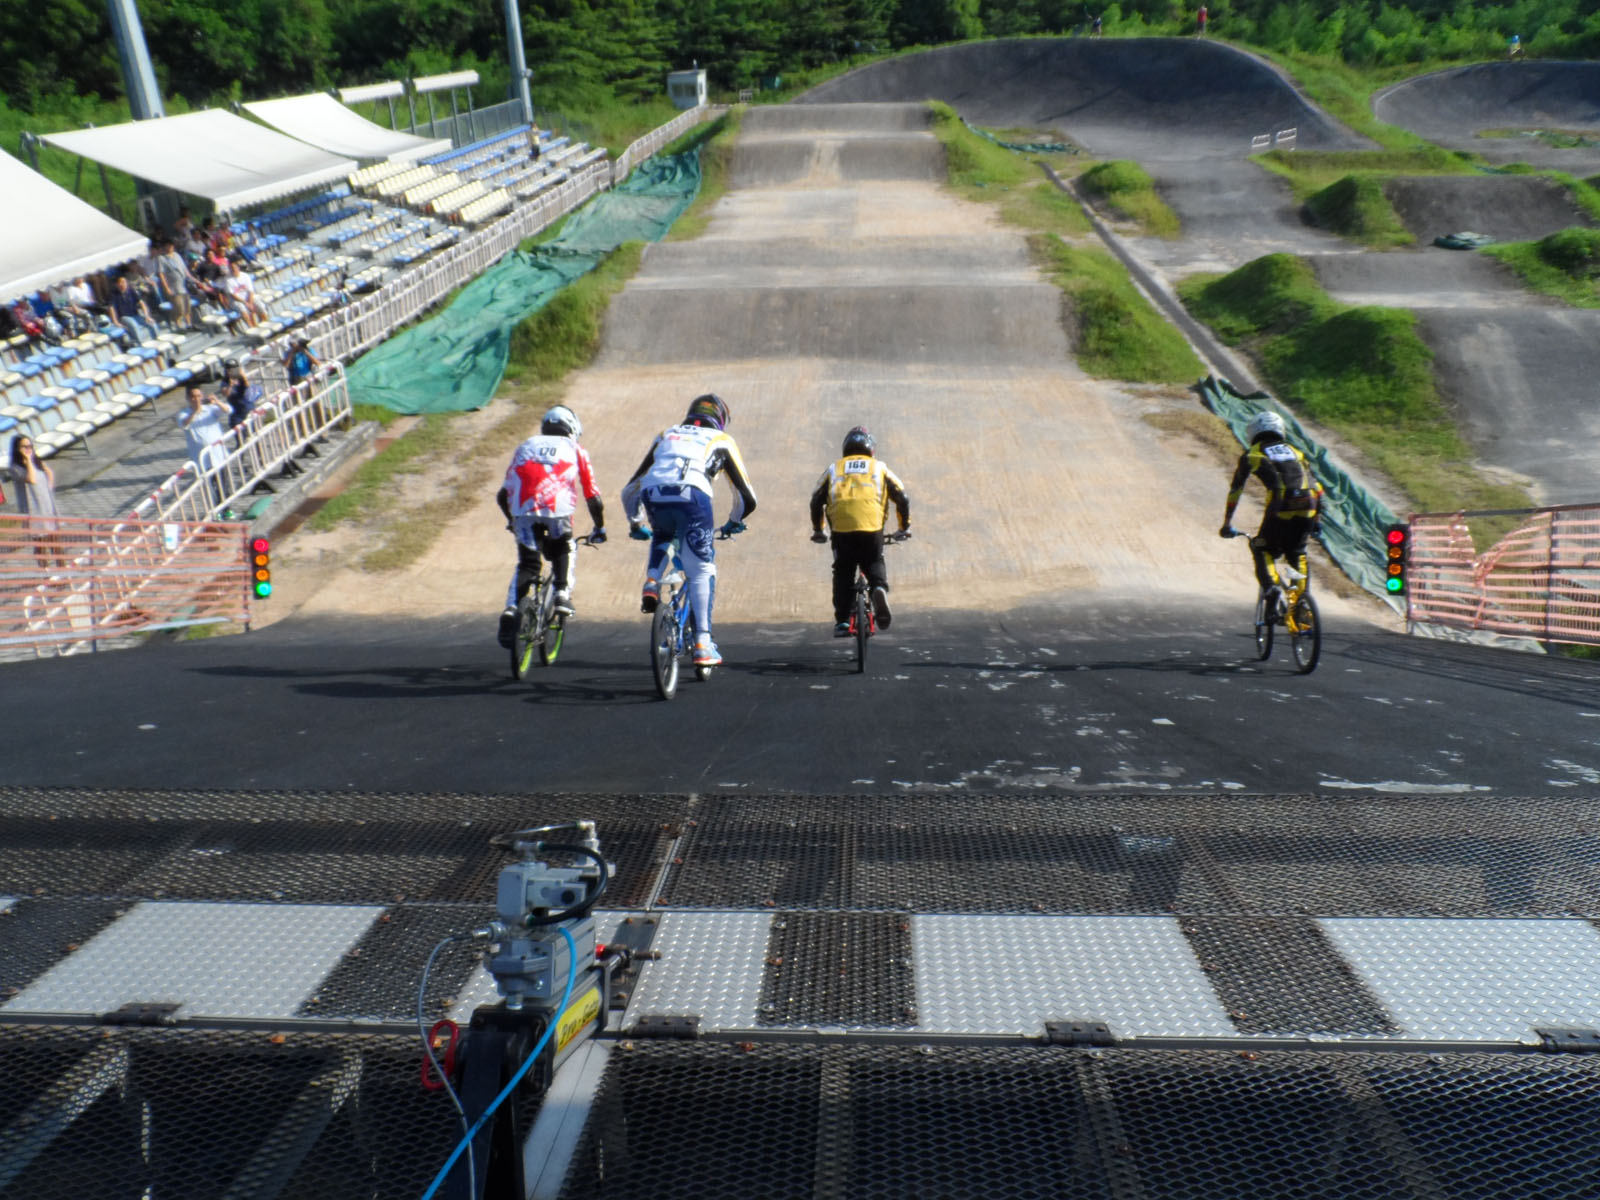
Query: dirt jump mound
[[830, 144], [1135, 97], [1510, 208]]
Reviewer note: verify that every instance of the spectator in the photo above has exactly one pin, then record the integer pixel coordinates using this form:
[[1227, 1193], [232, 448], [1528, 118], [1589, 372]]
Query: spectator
[[74, 305], [26, 321], [241, 394], [242, 289], [174, 279], [300, 362], [182, 228], [205, 425], [1094, 28], [36, 497], [44, 311], [129, 312], [1514, 48], [1200, 21]]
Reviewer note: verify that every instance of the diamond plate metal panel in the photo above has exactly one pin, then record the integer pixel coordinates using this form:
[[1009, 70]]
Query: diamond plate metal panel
[[1011, 974], [1480, 979], [225, 960], [711, 965]]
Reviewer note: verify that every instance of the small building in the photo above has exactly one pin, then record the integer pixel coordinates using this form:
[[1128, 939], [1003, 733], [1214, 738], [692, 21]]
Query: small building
[[687, 89]]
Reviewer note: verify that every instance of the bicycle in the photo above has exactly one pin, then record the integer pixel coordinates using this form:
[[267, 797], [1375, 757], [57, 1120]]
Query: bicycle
[[1299, 617], [863, 621], [672, 628], [540, 628]]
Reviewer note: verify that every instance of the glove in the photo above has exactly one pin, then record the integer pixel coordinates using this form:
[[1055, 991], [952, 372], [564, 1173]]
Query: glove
[[818, 536], [730, 528], [1227, 531], [639, 533], [597, 537]]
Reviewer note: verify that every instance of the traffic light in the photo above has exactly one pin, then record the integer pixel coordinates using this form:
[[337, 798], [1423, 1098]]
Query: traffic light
[[1395, 545], [261, 567]]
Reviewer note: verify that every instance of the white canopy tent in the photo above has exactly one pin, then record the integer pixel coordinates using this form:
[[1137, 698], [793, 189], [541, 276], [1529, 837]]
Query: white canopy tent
[[322, 121], [52, 235], [232, 162]]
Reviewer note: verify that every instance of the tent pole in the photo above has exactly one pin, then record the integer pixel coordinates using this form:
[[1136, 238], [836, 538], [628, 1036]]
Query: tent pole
[[519, 60]]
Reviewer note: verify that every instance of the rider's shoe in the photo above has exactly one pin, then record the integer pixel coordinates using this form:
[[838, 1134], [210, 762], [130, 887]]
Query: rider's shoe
[[1276, 605], [842, 629], [508, 627], [705, 652], [651, 598], [880, 607], [563, 601]]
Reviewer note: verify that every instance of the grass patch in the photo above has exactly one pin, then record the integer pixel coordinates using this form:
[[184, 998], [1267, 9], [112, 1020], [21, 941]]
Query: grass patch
[[716, 157], [564, 334], [1045, 208], [1311, 171], [975, 165], [1361, 372], [1115, 331], [372, 490], [1565, 264], [1357, 208], [1129, 191]]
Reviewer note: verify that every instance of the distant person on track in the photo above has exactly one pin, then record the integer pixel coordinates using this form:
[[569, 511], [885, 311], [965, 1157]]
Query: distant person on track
[[1200, 21], [673, 483], [1294, 503], [1094, 26], [854, 495], [1514, 47], [539, 499]]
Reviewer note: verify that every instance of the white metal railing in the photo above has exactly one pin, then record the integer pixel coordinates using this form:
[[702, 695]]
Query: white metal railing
[[655, 139], [357, 327], [275, 434]]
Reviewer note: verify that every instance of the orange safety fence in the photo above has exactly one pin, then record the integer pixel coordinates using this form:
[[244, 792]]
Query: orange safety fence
[[68, 583], [1541, 580]]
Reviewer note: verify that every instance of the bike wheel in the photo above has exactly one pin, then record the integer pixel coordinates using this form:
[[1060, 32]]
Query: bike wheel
[[553, 629], [1263, 630], [526, 642], [664, 649], [863, 629], [1306, 635]]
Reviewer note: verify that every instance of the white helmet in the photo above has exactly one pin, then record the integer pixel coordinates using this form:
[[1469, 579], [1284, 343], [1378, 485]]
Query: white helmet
[[1263, 422], [561, 421]]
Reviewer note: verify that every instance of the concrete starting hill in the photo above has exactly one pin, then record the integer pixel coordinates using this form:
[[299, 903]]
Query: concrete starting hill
[[1066, 895]]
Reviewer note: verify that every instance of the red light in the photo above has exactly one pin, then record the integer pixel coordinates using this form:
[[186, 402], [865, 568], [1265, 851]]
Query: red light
[[261, 545], [1396, 536]]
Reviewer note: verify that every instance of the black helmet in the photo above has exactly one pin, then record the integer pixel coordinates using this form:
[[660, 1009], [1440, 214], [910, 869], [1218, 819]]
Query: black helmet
[[859, 441], [709, 409]]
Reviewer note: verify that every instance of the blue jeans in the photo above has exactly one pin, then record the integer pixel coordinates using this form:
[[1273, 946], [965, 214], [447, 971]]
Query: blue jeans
[[138, 330], [686, 519]]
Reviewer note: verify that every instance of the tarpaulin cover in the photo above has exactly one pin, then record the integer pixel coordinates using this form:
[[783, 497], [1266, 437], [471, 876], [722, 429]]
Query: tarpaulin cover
[[1023, 147], [1353, 519], [52, 235], [455, 361]]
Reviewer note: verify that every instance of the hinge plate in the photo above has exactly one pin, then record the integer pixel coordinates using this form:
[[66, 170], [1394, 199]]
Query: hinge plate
[[666, 1025], [1078, 1031]]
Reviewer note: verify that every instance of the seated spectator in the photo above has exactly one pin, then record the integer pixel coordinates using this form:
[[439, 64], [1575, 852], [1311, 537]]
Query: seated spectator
[[75, 304], [26, 321], [242, 289], [128, 311], [44, 310], [300, 362], [208, 288], [241, 394]]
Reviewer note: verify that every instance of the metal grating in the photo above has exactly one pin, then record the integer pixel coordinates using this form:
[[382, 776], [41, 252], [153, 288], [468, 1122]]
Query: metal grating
[[1279, 975], [36, 934], [325, 848], [143, 1112], [724, 1120], [1423, 856], [850, 969], [378, 979]]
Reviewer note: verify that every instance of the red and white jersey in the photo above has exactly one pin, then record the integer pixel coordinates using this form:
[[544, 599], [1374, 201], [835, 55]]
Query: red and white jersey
[[546, 476]]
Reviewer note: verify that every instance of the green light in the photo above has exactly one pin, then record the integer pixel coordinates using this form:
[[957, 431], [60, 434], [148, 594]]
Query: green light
[[263, 589], [1395, 585]]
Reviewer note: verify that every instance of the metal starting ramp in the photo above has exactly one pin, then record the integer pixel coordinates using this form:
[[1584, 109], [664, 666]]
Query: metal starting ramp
[[214, 994]]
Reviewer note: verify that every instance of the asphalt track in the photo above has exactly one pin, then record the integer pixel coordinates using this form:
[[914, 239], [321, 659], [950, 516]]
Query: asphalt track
[[1099, 696]]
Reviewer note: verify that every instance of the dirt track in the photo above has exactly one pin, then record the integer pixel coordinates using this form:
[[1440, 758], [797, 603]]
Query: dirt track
[[835, 297]]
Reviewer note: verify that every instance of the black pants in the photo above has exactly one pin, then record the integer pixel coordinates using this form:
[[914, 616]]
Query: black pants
[[556, 547], [1285, 536], [852, 551]]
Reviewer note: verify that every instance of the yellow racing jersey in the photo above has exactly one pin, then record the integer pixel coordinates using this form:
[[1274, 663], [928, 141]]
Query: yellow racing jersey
[[854, 494]]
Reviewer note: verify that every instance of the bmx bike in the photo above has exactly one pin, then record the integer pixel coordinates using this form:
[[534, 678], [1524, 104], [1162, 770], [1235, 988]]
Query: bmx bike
[[863, 621], [672, 628], [540, 628], [1299, 618]]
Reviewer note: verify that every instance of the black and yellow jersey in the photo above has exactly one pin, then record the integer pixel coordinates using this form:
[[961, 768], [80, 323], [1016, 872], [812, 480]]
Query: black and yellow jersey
[[854, 494], [1292, 491]]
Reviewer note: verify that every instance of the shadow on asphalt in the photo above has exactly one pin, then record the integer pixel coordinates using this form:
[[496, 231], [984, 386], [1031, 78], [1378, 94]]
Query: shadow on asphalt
[[443, 683], [1543, 677]]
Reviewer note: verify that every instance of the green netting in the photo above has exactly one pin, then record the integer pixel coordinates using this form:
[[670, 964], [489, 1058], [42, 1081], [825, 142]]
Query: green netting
[[454, 361], [1353, 519], [1023, 147]]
